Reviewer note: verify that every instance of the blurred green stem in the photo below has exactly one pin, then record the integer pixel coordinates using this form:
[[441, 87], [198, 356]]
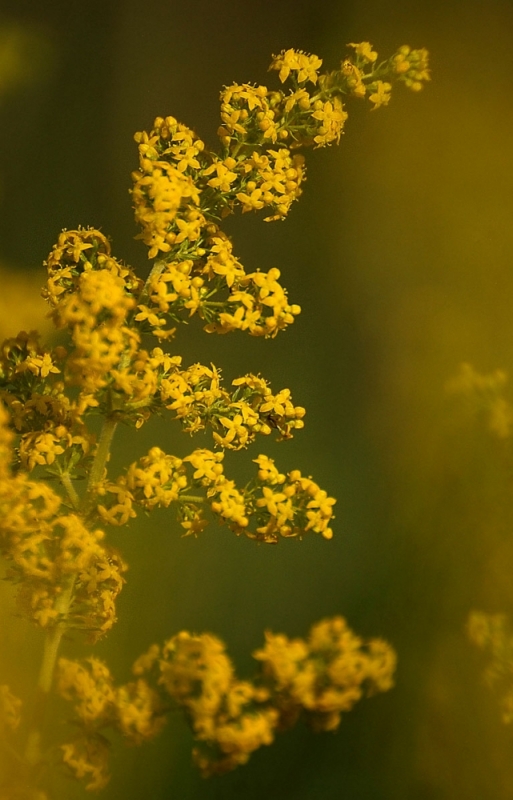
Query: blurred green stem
[[44, 683], [65, 600]]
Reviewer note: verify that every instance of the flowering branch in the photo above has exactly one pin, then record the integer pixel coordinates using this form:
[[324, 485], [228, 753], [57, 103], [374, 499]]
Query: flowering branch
[[68, 576]]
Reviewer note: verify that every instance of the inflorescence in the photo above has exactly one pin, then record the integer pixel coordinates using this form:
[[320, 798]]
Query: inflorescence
[[115, 359]]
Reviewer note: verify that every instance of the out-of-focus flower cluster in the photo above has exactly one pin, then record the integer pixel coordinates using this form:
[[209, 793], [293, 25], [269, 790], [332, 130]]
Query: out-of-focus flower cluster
[[484, 397], [10, 708], [326, 674], [492, 633], [133, 709], [317, 678]]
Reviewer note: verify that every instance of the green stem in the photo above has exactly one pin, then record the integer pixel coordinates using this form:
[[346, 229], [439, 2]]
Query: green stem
[[70, 489], [63, 603], [190, 498], [155, 270], [100, 459], [236, 149], [44, 683]]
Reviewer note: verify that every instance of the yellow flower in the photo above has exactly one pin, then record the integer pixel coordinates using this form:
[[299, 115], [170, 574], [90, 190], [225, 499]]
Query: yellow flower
[[41, 365], [365, 51], [331, 117], [207, 466], [156, 479], [68, 576], [224, 177], [267, 471], [381, 94], [237, 434], [250, 202], [306, 66], [229, 504]]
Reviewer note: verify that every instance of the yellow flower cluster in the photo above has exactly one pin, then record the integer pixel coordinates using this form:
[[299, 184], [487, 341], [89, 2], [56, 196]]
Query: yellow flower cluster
[[279, 506], [299, 505], [32, 388], [407, 65], [165, 194], [254, 302], [318, 678], [87, 758], [26, 512], [296, 61], [197, 398], [411, 66], [85, 282], [247, 110], [256, 115], [133, 709], [46, 549], [91, 295], [272, 180], [172, 289], [326, 674], [66, 550], [89, 685], [182, 189], [248, 303], [156, 478], [492, 633], [484, 396], [225, 713], [364, 52]]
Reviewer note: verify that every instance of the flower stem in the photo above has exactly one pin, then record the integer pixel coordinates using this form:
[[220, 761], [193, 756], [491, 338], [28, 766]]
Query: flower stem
[[65, 599], [100, 459], [70, 489], [44, 683], [155, 270]]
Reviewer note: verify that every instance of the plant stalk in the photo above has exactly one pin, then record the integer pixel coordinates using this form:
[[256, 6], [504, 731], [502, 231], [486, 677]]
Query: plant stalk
[[63, 603], [100, 459], [44, 683]]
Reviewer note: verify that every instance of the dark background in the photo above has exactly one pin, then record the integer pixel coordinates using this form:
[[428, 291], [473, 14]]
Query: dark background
[[399, 253]]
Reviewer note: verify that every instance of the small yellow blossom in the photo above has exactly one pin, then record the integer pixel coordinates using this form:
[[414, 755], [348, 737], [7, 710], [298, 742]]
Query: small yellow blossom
[[365, 51], [306, 66], [381, 94], [332, 116]]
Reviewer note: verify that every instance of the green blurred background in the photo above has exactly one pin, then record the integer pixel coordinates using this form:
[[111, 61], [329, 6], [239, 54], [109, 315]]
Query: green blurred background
[[400, 254]]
